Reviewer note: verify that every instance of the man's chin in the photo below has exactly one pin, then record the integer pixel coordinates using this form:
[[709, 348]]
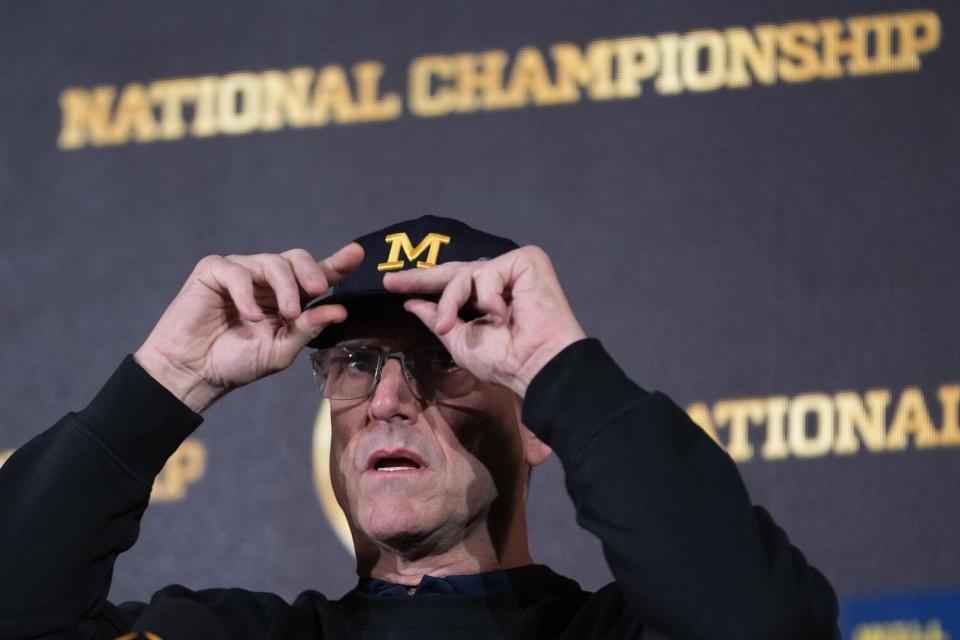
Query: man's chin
[[397, 527], [409, 541]]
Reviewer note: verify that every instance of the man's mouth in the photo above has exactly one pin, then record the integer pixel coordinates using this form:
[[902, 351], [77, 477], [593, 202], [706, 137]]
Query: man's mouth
[[396, 464], [395, 461]]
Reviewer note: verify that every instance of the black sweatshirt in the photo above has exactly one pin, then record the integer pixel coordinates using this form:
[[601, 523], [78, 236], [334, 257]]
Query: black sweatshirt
[[692, 560]]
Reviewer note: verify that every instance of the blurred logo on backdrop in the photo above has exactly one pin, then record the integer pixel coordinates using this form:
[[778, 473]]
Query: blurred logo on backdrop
[[902, 616], [321, 476]]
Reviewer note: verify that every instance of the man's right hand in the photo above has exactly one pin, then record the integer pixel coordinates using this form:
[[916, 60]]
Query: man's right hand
[[237, 319]]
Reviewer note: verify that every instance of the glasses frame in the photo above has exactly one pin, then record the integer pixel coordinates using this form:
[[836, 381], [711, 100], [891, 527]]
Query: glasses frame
[[382, 358]]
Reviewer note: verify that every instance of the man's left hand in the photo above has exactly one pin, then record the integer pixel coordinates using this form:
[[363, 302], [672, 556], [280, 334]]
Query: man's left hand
[[527, 317]]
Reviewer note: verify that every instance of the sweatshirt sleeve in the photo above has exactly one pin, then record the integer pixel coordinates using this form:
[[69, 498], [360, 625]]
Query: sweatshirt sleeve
[[72, 499], [687, 549]]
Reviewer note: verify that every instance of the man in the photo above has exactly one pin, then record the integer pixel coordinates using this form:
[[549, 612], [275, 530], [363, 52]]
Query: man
[[428, 364]]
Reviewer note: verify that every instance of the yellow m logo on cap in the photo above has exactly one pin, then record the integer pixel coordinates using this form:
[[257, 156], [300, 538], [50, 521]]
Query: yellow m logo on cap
[[401, 241]]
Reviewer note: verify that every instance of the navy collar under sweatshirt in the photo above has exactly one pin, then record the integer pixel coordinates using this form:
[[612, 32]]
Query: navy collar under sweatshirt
[[470, 585]]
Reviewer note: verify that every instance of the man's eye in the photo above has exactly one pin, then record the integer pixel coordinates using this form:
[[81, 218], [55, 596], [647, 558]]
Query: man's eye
[[441, 361], [358, 362]]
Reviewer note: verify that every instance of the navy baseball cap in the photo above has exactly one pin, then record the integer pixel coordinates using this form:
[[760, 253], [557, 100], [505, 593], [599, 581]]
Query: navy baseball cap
[[420, 243]]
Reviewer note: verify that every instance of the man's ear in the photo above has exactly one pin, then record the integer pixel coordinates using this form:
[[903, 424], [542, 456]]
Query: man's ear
[[535, 450]]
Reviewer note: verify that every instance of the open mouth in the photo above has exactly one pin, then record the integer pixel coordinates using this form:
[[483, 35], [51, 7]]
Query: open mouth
[[396, 464], [395, 461]]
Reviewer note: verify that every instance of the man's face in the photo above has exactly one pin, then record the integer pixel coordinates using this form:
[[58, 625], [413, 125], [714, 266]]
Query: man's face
[[418, 473]]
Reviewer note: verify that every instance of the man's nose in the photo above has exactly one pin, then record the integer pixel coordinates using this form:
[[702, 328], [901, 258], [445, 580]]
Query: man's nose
[[393, 397]]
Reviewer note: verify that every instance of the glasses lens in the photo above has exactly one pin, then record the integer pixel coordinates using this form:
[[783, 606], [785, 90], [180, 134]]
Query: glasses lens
[[346, 373], [437, 374]]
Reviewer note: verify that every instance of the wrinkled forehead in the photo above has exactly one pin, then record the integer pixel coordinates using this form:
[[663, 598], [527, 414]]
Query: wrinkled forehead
[[382, 323]]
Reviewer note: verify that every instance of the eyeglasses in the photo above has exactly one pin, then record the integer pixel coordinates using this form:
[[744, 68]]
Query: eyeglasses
[[351, 373]]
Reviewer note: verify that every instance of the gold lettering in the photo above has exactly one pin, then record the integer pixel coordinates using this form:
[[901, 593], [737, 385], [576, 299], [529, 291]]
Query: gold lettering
[[332, 98], [841, 40], [637, 60], [668, 82], [703, 60], [815, 424], [918, 32], [775, 446], [466, 82], [86, 116], [423, 100], [854, 418], [799, 61], [949, 395], [185, 466], [738, 414], [370, 105], [479, 80], [133, 119], [819, 407], [204, 122], [700, 414], [901, 630], [756, 50], [286, 98], [911, 418], [882, 60], [239, 103], [529, 81], [854, 38], [401, 241], [593, 71], [172, 95]]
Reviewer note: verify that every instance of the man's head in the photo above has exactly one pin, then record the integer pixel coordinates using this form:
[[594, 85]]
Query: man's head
[[420, 465]]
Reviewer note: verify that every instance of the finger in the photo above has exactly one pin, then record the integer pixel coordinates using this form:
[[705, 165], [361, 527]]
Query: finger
[[310, 323], [310, 277], [425, 310], [236, 281], [455, 295], [429, 280], [275, 272], [339, 265], [488, 287]]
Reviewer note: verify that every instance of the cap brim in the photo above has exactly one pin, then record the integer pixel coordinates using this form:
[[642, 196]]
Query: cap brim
[[346, 296], [332, 334]]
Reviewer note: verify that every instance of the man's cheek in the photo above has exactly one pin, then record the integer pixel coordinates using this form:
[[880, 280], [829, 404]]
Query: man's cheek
[[340, 472], [338, 480], [469, 425]]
